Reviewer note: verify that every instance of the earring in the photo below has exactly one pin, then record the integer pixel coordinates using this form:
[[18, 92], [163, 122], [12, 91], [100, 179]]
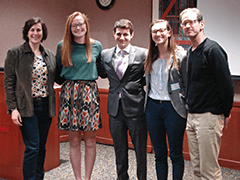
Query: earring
[[155, 44]]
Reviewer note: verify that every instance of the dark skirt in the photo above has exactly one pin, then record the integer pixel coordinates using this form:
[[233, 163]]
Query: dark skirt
[[79, 106]]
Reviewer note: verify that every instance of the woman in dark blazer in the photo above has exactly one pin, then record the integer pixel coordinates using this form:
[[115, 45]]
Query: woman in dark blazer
[[165, 104], [29, 74]]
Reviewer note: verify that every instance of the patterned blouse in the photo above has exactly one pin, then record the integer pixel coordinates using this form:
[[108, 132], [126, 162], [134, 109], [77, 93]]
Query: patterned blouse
[[39, 78]]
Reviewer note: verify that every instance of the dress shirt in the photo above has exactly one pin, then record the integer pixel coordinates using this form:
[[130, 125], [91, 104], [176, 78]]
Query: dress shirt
[[118, 57]]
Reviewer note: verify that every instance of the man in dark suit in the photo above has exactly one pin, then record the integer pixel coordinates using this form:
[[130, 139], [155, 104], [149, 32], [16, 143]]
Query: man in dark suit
[[124, 67]]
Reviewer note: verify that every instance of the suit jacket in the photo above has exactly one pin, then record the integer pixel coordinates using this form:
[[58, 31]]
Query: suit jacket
[[18, 76], [131, 84]]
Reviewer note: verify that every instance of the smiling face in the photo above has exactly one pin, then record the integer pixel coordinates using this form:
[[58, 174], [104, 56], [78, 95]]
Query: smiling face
[[123, 37], [160, 34], [35, 34], [78, 28]]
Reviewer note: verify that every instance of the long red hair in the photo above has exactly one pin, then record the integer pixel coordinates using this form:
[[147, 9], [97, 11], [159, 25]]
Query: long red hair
[[68, 39]]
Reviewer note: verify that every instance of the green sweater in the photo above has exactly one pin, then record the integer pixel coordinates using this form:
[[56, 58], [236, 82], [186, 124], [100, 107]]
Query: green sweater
[[80, 69]]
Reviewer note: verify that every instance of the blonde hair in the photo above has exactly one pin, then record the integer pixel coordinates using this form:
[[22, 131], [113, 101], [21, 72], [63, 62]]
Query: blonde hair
[[68, 39], [153, 52]]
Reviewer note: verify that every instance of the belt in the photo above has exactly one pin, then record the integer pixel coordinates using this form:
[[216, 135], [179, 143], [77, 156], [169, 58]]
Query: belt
[[39, 99], [157, 101]]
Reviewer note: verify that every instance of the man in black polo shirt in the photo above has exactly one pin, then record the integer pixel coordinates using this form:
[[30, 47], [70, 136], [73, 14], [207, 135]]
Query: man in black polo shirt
[[209, 96]]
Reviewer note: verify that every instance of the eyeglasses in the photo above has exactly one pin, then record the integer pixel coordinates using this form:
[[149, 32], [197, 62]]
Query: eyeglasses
[[190, 22], [159, 30], [77, 25]]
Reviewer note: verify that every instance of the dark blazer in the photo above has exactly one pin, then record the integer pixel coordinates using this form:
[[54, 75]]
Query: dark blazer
[[131, 84], [18, 77]]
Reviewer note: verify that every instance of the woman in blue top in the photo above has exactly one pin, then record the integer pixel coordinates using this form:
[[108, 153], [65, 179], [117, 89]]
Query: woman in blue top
[[165, 105], [79, 100]]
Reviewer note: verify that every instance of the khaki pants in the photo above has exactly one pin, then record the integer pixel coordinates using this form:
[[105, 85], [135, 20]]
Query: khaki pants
[[204, 139]]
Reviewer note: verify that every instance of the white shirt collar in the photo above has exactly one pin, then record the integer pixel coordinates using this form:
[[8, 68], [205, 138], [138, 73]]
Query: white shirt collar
[[127, 49]]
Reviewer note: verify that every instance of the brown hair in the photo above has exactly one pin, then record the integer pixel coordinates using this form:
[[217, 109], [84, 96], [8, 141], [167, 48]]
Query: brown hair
[[153, 52], [123, 23], [68, 38], [29, 23]]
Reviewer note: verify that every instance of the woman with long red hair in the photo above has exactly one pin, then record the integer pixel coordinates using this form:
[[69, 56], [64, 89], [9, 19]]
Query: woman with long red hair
[[79, 100]]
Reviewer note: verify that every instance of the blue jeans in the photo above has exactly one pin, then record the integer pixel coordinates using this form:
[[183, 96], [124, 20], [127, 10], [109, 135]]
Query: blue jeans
[[34, 133], [162, 119]]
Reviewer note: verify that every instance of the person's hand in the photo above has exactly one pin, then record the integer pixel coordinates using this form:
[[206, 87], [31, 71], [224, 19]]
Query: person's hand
[[16, 118], [226, 121]]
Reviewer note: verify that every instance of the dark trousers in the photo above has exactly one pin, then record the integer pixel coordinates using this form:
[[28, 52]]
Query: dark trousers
[[34, 133], [162, 119], [137, 128]]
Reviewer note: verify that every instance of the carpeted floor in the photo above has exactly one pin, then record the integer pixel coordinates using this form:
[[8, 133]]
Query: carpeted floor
[[105, 169]]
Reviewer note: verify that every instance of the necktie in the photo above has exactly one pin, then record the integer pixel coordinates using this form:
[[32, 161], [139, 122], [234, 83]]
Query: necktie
[[118, 69]]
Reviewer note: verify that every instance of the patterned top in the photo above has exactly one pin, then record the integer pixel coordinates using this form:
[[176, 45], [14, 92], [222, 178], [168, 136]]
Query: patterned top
[[39, 78]]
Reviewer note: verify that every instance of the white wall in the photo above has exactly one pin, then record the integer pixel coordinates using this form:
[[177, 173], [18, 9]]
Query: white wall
[[222, 19]]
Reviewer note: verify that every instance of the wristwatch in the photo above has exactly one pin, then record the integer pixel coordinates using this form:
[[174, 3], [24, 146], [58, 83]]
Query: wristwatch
[[11, 110]]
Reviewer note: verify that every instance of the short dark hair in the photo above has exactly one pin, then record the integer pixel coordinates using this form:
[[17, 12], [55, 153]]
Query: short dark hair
[[29, 23], [123, 23]]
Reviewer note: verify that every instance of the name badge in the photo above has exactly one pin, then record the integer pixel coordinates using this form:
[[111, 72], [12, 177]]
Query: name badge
[[175, 86]]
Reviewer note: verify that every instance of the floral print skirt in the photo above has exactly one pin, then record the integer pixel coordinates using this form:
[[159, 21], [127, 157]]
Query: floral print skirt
[[79, 106]]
